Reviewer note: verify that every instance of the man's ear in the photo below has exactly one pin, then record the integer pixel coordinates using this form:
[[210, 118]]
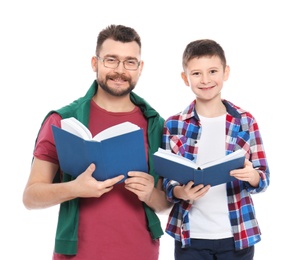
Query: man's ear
[[94, 63], [141, 68], [184, 77]]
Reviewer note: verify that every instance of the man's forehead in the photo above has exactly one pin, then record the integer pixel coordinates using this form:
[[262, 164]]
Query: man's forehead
[[120, 49]]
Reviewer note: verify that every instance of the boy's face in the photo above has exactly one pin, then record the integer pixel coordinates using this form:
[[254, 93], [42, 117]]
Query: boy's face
[[205, 76]]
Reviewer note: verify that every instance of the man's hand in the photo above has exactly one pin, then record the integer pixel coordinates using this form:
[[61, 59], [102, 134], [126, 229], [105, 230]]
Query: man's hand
[[87, 186], [140, 183]]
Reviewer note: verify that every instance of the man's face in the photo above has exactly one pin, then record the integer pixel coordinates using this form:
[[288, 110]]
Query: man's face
[[118, 79]]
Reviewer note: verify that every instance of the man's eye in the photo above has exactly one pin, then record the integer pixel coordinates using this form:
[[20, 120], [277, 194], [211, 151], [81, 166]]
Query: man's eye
[[110, 60], [131, 62]]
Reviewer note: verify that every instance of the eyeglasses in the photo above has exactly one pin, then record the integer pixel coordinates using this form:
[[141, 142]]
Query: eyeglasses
[[113, 63]]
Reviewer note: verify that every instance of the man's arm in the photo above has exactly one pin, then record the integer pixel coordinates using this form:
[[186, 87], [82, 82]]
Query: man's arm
[[41, 192]]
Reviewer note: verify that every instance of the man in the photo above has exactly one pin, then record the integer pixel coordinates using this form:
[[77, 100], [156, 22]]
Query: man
[[103, 219]]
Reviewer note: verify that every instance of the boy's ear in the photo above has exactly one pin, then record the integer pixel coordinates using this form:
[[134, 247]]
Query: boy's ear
[[226, 73], [185, 79]]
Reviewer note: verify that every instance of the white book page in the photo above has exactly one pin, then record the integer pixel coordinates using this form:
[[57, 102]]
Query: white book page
[[182, 160], [75, 127], [226, 158], [167, 154], [116, 130]]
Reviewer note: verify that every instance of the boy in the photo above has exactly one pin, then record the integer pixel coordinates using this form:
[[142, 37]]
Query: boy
[[213, 222]]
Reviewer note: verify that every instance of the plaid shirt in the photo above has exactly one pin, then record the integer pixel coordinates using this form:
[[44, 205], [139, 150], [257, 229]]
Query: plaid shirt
[[181, 135]]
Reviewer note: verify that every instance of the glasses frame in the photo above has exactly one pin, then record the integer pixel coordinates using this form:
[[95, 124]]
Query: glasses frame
[[118, 62]]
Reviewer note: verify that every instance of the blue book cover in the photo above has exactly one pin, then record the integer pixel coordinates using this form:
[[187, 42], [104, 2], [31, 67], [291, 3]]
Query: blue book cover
[[113, 156], [182, 170]]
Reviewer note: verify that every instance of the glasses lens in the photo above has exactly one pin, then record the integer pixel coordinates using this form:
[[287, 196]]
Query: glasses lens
[[131, 64], [111, 62]]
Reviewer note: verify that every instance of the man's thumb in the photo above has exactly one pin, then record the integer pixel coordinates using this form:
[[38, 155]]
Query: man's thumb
[[91, 168]]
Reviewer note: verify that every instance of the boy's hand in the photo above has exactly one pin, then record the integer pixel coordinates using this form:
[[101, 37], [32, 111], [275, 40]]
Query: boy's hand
[[248, 173], [189, 192]]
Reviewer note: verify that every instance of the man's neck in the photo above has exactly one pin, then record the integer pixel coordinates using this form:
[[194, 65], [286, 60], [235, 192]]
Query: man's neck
[[113, 103]]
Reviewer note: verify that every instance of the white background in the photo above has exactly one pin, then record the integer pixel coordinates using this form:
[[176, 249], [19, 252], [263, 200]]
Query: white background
[[45, 52]]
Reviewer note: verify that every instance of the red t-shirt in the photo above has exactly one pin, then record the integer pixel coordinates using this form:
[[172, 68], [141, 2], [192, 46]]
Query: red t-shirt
[[113, 226]]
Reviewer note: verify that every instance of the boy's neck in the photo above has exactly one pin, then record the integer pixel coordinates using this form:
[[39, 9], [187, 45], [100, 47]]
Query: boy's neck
[[210, 108]]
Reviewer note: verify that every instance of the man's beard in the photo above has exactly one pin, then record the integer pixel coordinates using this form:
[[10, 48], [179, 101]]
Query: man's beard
[[116, 92]]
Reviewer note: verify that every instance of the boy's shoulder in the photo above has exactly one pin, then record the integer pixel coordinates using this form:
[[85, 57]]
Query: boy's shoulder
[[186, 113], [234, 110], [230, 105]]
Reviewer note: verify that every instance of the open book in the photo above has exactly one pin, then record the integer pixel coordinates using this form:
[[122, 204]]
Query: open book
[[115, 151], [75, 127], [183, 170]]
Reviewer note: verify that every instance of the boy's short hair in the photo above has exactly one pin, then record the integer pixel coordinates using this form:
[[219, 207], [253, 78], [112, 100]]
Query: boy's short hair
[[202, 48]]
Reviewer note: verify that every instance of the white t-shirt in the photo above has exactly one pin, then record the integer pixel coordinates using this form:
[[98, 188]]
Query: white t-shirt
[[209, 217]]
